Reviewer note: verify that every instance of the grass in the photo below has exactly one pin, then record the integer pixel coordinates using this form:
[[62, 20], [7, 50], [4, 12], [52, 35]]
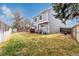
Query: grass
[[26, 44]]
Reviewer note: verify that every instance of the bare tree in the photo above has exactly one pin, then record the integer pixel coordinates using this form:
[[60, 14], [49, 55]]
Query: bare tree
[[17, 19], [21, 23], [24, 24]]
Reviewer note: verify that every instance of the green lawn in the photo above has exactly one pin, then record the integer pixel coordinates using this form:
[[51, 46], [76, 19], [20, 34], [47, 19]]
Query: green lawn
[[39, 45]]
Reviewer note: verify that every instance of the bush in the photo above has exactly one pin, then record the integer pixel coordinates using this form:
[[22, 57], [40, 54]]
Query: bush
[[32, 30]]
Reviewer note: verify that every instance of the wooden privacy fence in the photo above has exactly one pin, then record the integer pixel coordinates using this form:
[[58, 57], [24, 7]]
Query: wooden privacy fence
[[66, 30]]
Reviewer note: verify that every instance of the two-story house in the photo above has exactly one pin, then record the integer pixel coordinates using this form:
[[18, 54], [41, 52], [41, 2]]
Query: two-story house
[[45, 21]]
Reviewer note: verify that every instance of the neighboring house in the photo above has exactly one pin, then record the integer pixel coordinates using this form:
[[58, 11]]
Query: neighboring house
[[46, 22], [75, 32]]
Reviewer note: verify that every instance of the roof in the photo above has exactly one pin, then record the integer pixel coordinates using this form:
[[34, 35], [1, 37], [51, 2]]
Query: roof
[[43, 11], [43, 23]]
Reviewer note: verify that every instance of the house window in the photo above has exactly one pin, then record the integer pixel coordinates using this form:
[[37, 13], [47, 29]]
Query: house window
[[35, 19], [42, 25], [40, 17]]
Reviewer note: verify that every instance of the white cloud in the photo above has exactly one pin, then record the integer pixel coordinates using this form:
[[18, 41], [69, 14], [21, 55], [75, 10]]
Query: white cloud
[[7, 11], [6, 14]]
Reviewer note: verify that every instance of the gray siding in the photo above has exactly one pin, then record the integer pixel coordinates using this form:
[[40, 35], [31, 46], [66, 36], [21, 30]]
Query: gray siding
[[53, 24]]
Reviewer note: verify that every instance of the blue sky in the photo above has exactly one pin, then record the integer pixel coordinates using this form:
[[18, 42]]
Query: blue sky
[[28, 10]]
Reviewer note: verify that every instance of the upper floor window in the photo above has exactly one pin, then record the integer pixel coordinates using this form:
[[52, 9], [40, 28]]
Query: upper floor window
[[40, 17], [35, 19]]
